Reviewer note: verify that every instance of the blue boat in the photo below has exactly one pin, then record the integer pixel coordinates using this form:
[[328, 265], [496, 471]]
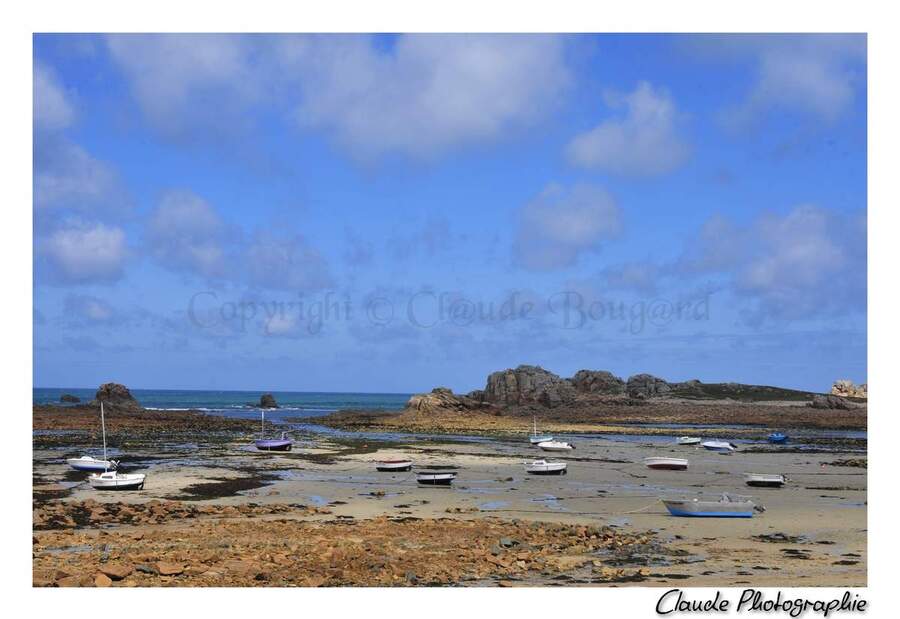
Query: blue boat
[[778, 437], [729, 506], [271, 444]]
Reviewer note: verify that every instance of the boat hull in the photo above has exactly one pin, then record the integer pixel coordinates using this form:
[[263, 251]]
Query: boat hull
[[435, 479], [546, 468], [709, 509], [765, 481], [126, 482], [80, 464], [688, 440], [666, 464], [719, 446], [777, 438], [555, 446], [274, 445], [539, 439], [392, 466]]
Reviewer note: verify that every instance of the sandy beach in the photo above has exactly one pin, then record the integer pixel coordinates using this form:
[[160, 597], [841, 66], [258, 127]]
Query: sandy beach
[[218, 513]]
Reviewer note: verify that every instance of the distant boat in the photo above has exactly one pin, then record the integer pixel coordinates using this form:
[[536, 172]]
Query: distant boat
[[688, 440], [436, 477], [112, 480], [556, 446], [272, 444], [538, 438], [89, 463], [542, 467], [720, 446], [393, 466], [778, 437], [667, 464], [729, 506], [762, 480]]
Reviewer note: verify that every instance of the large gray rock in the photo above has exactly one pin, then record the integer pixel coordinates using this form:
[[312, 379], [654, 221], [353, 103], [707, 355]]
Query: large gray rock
[[528, 384], [115, 396], [832, 402], [646, 386], [68, 398], [441, 399], [598, 381], [267, 400]]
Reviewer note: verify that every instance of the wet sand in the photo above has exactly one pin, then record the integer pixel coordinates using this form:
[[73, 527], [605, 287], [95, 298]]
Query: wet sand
[[816, 525]]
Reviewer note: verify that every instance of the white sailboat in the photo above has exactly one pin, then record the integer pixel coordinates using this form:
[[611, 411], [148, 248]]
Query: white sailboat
[[113, 480], [90, 463], [538, 438]]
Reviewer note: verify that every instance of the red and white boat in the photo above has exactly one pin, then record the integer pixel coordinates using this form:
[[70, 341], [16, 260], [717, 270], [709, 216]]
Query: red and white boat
[[393, 466], [666, 464]]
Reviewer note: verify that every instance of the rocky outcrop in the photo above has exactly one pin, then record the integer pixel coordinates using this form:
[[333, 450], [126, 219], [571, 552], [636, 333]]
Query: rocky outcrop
[[267, 400], [441, 399], [831, 402], [528, 384], [68, 398], [601, 382], [116, 396], [848, 389], [646, 386]]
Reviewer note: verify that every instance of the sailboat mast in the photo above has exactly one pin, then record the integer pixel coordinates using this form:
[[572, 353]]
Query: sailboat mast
[[262, 428], [103, 425]]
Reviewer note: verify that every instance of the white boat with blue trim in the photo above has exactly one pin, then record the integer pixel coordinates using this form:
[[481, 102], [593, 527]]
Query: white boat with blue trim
[[728, 506]]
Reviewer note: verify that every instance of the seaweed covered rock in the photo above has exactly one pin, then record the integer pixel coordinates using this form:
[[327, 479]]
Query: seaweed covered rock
[[267, 400], [116, 396], [68, 398]]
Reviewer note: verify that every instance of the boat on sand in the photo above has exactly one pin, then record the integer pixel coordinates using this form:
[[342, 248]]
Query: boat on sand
[[90, 463], [393, 466], [763, 480], [538, 438], [113, 480], [688, 440], [720, 446], [271, 444], [666, 464], [556, 446], [728, 506], [436, 477], [543, 467]]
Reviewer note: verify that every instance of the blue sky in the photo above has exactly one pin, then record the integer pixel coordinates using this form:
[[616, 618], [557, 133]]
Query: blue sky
[[393, 213]]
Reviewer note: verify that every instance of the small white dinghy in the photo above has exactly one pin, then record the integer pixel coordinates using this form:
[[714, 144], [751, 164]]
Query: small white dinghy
[[436, 477], [556, 446], [393, 466], [111, 480], [666, 464], [542, 467], [720, 446], [764, 480], [89, 463], [688, 440], [728, 506]]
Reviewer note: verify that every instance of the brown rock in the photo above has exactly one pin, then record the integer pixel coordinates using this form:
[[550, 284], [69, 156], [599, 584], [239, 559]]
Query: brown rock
[[169, 569], [102, 580], [69, 581], [117, 571]]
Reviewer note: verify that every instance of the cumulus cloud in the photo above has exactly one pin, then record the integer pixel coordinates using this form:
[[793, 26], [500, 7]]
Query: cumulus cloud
[[425, 94], [185, 233], [81, 253], [815, 74], [68, 177], [188, 83], [559, 225], [644, 141], [808, 261], [51, 107]]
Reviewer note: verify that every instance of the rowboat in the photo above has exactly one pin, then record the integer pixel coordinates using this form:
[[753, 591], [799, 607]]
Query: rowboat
[[728, 506], [666, 464], [777, 437], [720, 446], [112, 480], [762, 480], [542, 467], [538, 438], [436, 477], [89, 463], [556, 446], [393, 466], [688, 440]]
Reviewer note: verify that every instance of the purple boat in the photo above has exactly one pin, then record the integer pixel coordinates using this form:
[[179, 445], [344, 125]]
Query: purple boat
[[272, 444]]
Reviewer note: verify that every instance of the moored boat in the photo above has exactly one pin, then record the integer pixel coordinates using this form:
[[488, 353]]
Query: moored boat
[[666, 464], [556, 446], [763, 480], [728, 506], [393, 466], [720, 446], [271, 444], [543, 467], [436, 477], [89, 463], [112, 480], [536, 438], [688, 440], [777, 437]]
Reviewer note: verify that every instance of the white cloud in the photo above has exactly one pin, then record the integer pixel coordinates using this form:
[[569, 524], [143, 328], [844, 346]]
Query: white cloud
[[68, 177], [643, 142], [84, 253], [87, 308], [428, 93], [285, 262], [559, 225], [51, 107], [185, 233]]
